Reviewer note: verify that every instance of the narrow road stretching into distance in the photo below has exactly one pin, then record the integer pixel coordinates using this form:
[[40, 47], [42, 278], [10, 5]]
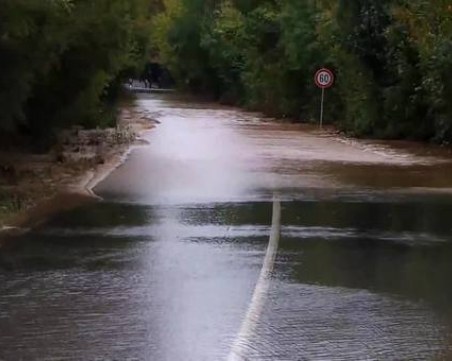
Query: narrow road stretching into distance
[[231, 237]]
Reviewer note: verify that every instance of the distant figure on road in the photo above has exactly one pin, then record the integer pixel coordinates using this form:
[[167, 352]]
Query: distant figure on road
[[152, 75]]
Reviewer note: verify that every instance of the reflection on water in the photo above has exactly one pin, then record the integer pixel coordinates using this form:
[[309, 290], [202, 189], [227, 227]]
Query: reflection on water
[[165, 268], [161, 294], [173, 283], [199, 154]]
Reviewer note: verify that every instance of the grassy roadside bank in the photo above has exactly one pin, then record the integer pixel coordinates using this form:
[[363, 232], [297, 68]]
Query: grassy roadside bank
[[33, 187]]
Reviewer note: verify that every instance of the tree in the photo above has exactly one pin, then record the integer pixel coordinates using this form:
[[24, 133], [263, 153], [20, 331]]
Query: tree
[[392, 59], [60, 59]]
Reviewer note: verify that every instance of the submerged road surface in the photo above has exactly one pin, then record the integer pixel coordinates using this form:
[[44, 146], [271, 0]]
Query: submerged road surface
[[229, 237]]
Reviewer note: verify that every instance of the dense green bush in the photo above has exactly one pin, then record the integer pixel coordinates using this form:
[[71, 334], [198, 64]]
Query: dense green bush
[[392, 59], [59, 60]]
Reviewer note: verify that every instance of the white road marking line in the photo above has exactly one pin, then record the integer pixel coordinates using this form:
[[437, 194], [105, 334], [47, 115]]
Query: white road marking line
[[255, 308]]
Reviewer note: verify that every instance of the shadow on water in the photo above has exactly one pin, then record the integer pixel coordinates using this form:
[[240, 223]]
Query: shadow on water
[[360, 281], [402, 249], [111, 235]]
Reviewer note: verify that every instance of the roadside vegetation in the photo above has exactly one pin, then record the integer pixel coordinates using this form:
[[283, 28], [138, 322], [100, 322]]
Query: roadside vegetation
[[61, 63], [392, 59]]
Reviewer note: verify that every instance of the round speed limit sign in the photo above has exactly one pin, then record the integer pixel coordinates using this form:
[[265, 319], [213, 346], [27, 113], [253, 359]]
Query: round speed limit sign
[[324, 78]]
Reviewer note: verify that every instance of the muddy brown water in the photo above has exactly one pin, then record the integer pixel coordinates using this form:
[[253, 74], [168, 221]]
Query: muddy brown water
[[165, 267]]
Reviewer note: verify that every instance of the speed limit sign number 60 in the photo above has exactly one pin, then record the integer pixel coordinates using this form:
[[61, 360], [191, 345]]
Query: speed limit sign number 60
[[324, 78]]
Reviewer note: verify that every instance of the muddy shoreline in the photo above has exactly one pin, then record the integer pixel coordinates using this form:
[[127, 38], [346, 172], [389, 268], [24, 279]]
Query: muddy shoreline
[[69, 184]]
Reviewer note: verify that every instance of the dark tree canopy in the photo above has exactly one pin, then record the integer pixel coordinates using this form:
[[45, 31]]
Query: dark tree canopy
[[60, 60]]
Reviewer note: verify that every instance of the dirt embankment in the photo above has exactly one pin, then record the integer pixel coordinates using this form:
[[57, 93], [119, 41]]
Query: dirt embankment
[[34, 187]]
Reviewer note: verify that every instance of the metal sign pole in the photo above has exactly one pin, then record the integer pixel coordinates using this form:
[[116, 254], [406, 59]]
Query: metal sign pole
[[324, 78], [321, 108]]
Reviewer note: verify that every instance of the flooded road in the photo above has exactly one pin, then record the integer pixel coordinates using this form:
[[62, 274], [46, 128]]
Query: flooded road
[[176, 264]]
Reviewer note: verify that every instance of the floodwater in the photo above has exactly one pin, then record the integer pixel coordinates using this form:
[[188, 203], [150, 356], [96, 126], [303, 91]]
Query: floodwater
[[175, 262]]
